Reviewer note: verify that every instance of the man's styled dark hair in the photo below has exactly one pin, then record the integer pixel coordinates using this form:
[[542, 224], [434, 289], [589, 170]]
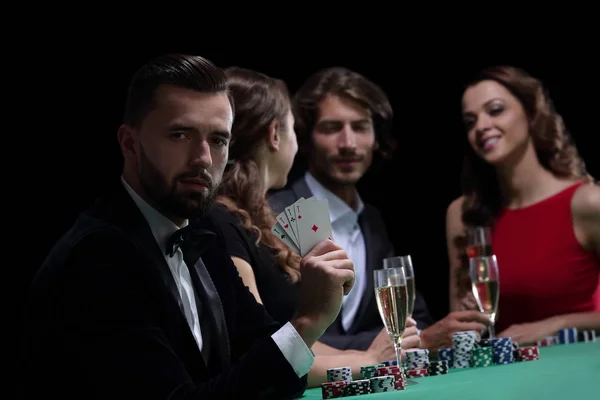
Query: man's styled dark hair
[[183, 70]]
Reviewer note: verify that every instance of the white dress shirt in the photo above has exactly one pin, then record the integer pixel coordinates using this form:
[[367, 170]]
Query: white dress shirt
[[287, 338], [348, 235]]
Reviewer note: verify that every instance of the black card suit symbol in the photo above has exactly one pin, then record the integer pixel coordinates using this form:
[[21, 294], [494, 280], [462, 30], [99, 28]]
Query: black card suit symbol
[[283, 236]]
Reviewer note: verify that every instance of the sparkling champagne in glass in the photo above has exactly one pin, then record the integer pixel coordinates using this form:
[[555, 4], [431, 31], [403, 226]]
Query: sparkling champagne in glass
[[406, 263], [392, 301], [479, 242], [485, 285]]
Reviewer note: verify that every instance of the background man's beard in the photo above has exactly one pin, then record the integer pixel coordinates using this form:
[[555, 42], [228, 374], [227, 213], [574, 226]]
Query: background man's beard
[[166, 198]]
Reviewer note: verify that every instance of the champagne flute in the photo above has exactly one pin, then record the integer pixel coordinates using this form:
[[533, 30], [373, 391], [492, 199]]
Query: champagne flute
[[406, 263], [479, 242], [392, 301], [485, 285]]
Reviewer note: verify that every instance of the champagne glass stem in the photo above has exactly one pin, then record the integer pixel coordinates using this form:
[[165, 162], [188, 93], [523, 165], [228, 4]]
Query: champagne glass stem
[[398, 348], [491, 332]]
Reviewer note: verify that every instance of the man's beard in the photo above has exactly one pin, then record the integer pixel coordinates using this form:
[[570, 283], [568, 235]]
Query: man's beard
[[190, 205]]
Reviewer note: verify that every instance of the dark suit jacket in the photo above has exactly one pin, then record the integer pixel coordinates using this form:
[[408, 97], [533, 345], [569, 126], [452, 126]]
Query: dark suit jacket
[[367, 323], [104, 320]]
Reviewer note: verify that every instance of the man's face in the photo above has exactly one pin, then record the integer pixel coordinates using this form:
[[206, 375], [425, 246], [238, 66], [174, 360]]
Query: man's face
[[342, 142], [181, 150]]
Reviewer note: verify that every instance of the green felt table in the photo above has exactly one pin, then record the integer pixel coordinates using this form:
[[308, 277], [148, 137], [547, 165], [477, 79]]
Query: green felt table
[[565, 372]]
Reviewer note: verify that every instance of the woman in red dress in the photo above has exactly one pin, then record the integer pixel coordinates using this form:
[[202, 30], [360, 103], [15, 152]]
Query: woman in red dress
[[524, 178]]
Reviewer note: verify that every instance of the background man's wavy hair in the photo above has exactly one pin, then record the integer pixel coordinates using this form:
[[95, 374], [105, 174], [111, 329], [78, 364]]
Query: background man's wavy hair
[[347, 84]]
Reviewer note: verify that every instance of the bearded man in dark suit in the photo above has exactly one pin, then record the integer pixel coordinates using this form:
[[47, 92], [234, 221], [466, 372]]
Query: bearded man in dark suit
[[139, 299]]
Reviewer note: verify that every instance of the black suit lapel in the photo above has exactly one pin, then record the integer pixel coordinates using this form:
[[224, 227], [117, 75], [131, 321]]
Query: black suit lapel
[[153, 252], [206, 291], [301, 189], [220, 357]]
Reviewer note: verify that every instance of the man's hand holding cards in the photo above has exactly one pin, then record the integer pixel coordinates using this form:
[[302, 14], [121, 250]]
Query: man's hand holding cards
[[304, 224]]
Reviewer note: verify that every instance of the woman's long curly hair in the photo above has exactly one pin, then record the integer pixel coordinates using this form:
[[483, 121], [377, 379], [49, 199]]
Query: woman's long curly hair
[[552, 142], [259, 101]]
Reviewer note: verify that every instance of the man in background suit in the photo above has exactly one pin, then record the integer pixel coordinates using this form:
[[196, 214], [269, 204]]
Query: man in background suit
[[139, 300], [342, 119]]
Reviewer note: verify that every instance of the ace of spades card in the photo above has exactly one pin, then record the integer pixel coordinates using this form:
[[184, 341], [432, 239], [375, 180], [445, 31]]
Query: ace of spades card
[[284, 222], [312, 223], [278, 230]]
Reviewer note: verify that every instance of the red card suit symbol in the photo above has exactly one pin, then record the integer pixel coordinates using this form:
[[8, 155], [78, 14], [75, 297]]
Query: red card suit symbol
[[286, 225], [314, 228]]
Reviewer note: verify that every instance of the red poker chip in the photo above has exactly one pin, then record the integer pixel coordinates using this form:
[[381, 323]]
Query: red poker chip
[[528, 353], [332, 390], [417, 372], [332, 385]]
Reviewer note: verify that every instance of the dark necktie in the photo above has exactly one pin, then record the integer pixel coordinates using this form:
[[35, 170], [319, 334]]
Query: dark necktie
[[193, 242]]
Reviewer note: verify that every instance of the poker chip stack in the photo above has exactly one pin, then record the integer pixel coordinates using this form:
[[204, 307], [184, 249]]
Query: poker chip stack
[[333, 390], [395, 372], [482, 357], [369, 371], [547, 341], [439, 367], [586, 336], [446, 354], [382, 384], [502, 350], [340, 374], [482, 354], [356, 388], [389, 363], [463, 343], [416, 363], [567, 336], [528, 353], [418, 358]]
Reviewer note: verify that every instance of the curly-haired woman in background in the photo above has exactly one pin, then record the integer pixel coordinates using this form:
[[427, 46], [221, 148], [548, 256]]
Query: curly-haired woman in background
[[523, 177], [262, 151]]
